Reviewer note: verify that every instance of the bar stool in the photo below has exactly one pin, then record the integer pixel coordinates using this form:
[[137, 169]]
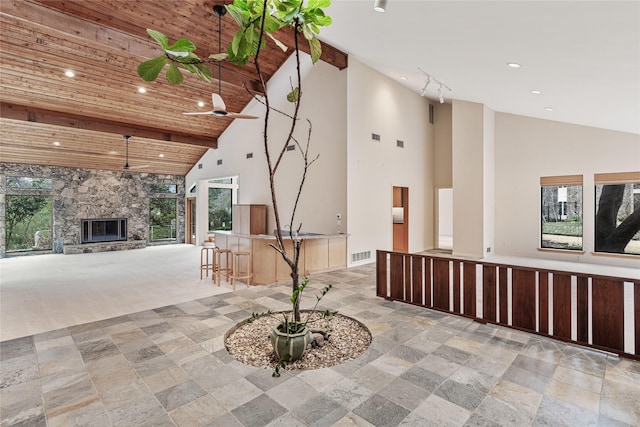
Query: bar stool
[[227, 269], [236, 273], [208, 260]]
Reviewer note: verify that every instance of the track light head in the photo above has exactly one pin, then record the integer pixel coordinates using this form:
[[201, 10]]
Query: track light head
[[440, 95], [380, 5]]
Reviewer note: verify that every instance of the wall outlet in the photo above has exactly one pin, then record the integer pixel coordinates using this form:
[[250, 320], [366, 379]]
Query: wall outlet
[[338, 217]]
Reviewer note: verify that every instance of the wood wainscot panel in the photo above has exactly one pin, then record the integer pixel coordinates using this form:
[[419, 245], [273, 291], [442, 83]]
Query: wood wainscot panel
[[562, 305], [264, 262], [316, 253], [397, 276], [608, 313], [582, 310], [469, 288], [523, 291], [428, 283], [543, 298], [636, 313], [456, 287], [381, 274], [441, 284], [489, 296], [503, 295], [417, 279], [337, 252]]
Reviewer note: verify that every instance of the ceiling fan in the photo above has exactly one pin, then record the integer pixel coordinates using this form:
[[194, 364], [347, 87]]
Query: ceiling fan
[[126, 161], [219, 108]]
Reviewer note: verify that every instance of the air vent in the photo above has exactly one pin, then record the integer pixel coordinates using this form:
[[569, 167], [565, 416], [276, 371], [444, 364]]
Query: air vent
[[432, 114], [400, 144], [199, 165], [375, 137], [291, 147], [360, 256], [219, 162], [249, 155]]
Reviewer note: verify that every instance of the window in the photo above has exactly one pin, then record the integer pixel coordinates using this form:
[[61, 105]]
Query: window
[[561, 214], [24, 182], [164, 188], [162, 219], [617, 213], [222, 194], [28, 223]]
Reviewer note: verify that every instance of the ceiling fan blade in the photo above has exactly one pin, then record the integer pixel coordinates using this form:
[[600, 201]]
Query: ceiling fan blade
[[240, 116], [218, 103], [199, 113]]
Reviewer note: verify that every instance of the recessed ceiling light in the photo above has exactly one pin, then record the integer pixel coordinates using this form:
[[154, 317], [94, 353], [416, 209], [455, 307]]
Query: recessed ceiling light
[[549, 109], [69, 73], [160, 155], [536, 92], [513, 64], [56, 143], [142, 90], [200, 104]]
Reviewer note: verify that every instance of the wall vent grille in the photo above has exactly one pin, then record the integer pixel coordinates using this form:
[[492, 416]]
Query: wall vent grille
[[249, 155], [360, 256], [199, 165], [291, 147], [400, 144], [219, 162], [375, 137]]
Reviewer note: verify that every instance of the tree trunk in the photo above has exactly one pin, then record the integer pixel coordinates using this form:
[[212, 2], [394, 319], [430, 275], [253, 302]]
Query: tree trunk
[[611, 237]]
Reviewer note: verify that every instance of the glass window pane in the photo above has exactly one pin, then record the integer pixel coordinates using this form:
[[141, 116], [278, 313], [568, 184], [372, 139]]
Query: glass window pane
[[561, 217], [162, 219], [220, 208], [164, 188], [617, 220], [29, 183], [28, 222]]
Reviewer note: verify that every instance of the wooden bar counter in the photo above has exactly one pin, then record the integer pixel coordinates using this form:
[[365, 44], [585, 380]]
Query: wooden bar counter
[[319, 253]]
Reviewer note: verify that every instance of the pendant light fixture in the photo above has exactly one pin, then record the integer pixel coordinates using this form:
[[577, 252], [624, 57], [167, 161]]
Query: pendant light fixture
[[380, 5]]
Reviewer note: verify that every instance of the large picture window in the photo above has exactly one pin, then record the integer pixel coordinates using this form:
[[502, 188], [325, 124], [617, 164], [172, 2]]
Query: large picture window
[[617, 215], [561, 212]]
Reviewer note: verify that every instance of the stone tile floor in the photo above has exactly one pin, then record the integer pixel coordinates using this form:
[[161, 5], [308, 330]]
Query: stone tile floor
[[168, 366]]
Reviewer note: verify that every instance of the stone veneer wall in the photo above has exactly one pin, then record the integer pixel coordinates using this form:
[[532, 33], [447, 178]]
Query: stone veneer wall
[[86, 193]]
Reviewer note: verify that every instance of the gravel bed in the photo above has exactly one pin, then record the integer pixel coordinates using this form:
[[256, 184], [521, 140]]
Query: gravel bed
[[250, 343]]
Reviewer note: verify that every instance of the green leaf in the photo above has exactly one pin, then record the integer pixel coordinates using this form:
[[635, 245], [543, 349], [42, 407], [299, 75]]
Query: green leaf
[[318, 4], [235, 43], [308, 34], [162, 40], [174, 76], [219, 56], [294, 95], [316, 49], [278, 42], [150, 69], [179, 54], [239, 15], [185, 45], [203, 71]]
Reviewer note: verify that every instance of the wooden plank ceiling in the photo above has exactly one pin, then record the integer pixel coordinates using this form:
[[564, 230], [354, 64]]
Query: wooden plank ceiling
[[103, 42]]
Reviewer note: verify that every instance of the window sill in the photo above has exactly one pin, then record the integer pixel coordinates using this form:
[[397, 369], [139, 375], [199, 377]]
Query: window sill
[[611, 255], [562, 251]]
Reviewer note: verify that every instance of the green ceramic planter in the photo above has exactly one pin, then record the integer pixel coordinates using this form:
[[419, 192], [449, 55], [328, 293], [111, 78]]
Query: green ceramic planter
[[293, 344]]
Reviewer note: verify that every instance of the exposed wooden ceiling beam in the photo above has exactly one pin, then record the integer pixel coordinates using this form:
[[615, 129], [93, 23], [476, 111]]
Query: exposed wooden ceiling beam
[[19, 112]]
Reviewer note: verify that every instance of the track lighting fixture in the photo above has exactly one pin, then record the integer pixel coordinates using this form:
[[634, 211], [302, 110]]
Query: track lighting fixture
[[380, 5], [442, 86]]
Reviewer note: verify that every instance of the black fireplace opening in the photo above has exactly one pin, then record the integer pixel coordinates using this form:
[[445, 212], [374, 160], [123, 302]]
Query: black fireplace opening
[[104, 230]]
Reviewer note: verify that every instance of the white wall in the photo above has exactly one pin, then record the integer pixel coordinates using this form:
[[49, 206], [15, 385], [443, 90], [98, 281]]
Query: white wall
[[377, 104], [324, 195], [528, 148]]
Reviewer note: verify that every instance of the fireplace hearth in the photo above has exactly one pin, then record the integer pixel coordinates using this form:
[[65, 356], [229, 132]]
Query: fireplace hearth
[[104, 230]]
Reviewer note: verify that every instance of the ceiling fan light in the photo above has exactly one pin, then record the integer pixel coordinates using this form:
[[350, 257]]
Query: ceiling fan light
[[380, 5]]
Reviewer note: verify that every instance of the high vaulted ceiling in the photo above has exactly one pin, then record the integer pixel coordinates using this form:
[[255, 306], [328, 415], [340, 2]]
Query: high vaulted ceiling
[[103, 42]]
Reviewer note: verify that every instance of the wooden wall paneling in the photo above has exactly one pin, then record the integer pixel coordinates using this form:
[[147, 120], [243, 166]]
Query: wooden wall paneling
[[441, 284], [489, 298], [397, 276], [583, 309], [316, 253], [608, 313], [338, 252], [636, 314], [523, 298], [428, 284], [407, 278], [543, 298], [381, 274], [469, 288], [562, 305], [417, 279], [263, 258], [456, 287], [503, 295]]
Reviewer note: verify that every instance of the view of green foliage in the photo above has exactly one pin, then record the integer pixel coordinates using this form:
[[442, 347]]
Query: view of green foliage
[[220, 209], [162, 218], [562, 228], [26, 215]]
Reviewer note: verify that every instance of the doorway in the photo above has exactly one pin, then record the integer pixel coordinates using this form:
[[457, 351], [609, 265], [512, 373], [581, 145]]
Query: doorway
[[400, 214], [191, 220], [445, 218]]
